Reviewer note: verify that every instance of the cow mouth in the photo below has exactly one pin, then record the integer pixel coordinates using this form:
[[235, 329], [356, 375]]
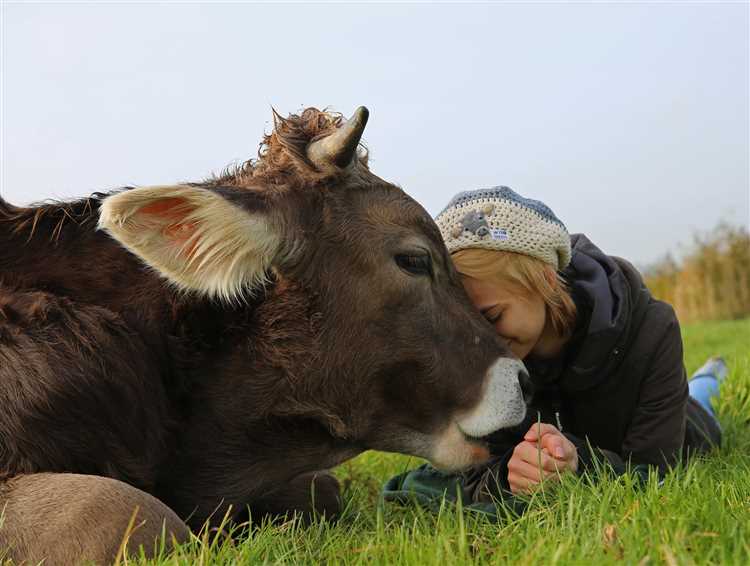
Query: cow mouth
[[481, 440], [464, 442], [455, 450]]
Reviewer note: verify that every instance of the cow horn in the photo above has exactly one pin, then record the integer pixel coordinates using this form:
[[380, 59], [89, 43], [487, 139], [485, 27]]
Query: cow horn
[[340, 148]]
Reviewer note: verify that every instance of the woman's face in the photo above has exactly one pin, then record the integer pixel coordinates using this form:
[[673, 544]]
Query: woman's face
[[517, 315]]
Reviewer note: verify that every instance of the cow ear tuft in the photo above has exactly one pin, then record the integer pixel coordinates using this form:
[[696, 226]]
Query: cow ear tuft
[[194, 237]]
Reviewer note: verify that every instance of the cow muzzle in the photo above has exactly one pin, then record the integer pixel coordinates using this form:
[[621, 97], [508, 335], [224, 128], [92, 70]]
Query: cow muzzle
[[507, 390], [504, 401]]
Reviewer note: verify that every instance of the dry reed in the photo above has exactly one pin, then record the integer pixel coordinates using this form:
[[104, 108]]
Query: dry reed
[[712, 281]]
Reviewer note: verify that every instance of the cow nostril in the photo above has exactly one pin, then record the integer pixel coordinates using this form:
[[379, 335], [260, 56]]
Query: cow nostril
[[527, 387]]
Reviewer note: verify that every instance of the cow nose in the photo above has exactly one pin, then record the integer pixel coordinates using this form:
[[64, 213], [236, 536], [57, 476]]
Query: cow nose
[[527, 387]]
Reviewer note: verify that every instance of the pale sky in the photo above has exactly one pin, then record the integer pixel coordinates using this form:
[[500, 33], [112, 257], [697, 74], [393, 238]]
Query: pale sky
[[629, 120]]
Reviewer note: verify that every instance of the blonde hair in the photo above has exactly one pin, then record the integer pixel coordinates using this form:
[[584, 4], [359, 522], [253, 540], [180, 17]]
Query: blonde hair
[[530, 274]]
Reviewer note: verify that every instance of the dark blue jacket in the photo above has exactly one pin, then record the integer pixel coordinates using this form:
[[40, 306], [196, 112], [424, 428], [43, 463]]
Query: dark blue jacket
[[619, 386]]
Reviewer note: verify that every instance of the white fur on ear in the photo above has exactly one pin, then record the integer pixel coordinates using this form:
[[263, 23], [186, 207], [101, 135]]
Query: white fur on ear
[[194, 237]]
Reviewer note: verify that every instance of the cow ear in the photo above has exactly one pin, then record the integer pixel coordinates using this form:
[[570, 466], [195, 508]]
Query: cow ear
[[194, 237]]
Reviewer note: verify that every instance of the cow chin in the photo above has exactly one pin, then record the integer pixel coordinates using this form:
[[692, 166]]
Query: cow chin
[[453, 451]]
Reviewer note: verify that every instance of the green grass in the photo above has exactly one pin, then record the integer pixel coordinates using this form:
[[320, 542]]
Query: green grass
[[701, 513]]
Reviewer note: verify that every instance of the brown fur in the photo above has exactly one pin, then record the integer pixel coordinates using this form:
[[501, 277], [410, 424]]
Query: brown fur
[[106, 370]]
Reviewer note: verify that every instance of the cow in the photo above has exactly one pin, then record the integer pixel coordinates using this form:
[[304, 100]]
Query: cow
[[212, 349]]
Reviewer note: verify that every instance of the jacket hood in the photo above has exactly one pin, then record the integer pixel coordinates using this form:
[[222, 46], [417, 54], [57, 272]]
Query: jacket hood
[[611, 298]]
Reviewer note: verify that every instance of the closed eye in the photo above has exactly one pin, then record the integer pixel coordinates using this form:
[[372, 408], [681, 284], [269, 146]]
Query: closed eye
[[493, 315], [415, 264]]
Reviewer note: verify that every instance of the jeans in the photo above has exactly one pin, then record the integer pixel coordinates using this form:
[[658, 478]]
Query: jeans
[[705, 383]]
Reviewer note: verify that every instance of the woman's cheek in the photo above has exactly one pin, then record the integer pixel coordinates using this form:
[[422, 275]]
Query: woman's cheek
[[509, 328], [502, 331]]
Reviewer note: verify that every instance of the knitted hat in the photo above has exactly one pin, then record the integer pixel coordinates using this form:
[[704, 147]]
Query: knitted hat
[[501, 219]]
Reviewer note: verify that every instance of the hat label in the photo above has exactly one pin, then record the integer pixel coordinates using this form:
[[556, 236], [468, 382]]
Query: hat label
[[499, 234]]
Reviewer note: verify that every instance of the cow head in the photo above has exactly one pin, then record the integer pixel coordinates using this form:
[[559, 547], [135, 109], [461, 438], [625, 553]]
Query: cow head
[[399, 359]]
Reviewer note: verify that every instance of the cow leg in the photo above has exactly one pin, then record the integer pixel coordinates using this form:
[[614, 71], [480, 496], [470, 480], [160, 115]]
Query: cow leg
[[314, 494], [72, 518]]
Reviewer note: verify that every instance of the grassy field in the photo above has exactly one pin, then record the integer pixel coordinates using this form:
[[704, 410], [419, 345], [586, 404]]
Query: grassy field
[[701, 513]]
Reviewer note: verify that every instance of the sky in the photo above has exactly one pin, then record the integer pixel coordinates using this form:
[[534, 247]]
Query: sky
[[630, 120]]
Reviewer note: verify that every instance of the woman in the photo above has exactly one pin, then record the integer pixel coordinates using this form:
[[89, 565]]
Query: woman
[[605, 357]]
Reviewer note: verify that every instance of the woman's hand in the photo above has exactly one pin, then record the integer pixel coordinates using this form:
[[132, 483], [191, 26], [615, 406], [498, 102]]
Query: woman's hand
[[544, 454]]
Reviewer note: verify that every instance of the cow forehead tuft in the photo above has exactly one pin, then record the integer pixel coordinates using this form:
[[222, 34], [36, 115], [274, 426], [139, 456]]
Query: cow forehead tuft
[[282, 160]]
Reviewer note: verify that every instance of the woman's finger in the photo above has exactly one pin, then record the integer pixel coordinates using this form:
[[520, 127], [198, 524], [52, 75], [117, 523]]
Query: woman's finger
[[518, 484], [538, 430], [527, 479], [528, 469], [521, 484], [535, 456], [558, 446]]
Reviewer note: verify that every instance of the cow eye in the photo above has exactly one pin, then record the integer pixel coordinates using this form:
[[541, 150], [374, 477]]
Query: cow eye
[[415, 264]]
